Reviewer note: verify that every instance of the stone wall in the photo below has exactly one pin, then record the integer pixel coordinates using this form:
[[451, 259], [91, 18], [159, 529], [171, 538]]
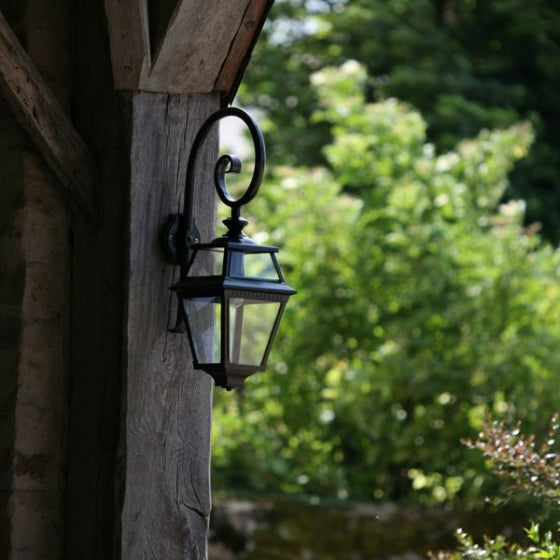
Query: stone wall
[[292, 530]]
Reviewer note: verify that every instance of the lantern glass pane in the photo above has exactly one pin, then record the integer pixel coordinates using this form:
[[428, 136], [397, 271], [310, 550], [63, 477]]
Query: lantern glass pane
[[203, 315], [206, 262], [253, 265], [251, 324]]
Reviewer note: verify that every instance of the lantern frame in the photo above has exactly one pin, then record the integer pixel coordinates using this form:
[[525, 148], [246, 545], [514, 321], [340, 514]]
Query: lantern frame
[[180, 243]]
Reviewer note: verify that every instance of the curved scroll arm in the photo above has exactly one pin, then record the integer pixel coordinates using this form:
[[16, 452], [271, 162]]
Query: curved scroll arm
[[177, 245], [227, 163], [179, 233]]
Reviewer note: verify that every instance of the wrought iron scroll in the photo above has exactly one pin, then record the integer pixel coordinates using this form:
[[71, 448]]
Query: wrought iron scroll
[[179, 233]]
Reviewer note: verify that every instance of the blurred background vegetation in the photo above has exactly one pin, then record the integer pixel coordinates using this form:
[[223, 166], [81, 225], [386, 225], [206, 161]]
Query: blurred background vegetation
[[413, 185]]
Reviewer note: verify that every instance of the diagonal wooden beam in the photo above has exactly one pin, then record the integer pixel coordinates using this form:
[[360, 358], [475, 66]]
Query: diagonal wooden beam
[[241, 47], [195, 45], [39, 113], [204, 48]]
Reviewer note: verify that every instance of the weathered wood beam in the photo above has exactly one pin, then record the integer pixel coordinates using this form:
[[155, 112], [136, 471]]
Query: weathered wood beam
[[39, 113], [241, 47], [205, 48], [197, 42], [129, 36], [166, 432]]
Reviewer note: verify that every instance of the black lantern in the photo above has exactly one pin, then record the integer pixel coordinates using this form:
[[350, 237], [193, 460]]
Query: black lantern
[[231, 291]]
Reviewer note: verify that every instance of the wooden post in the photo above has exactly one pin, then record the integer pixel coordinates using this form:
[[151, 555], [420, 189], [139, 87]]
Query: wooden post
[[34, 280], [33, 342], [166, 430], [144, 493]]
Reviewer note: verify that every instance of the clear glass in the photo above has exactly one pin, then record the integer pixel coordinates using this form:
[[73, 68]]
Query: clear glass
[[253, 265], [206, 262], [251, 322], [203, 315]]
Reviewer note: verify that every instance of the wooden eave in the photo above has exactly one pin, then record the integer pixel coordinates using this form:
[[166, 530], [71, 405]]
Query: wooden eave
[[205, 48]]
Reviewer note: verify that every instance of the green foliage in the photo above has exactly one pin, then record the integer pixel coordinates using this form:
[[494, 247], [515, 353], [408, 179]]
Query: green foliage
[[466, 65], [527, 468], [542, 546], [423, 304]]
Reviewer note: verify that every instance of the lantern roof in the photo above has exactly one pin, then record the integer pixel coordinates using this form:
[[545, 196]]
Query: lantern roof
[[228, 277]]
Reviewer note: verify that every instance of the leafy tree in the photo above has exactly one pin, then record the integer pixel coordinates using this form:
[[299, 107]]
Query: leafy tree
[[466, 64], [423, 303]]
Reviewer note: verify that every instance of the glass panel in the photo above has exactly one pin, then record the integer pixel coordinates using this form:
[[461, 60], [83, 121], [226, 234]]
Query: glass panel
[[206, 262], [253, 265], [250, 325], [203, 315]]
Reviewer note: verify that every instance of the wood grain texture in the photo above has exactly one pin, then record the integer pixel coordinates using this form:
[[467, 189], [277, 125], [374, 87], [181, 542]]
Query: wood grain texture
[[130, 41], [205, 47], [241, 47], [42, 117], [168, 405], [195, 46]]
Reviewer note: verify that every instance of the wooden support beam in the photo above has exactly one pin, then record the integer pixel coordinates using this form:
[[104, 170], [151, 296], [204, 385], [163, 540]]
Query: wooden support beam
[[195, 46], [205, 48], [130, 41], [39, 113], [166, 433], [241, 47]]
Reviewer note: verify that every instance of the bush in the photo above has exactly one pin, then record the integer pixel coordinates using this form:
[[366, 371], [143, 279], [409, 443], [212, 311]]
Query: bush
[[423, 304], [527, 468]]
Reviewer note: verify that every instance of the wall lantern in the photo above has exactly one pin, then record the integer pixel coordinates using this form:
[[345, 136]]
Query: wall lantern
[[231, 291]]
